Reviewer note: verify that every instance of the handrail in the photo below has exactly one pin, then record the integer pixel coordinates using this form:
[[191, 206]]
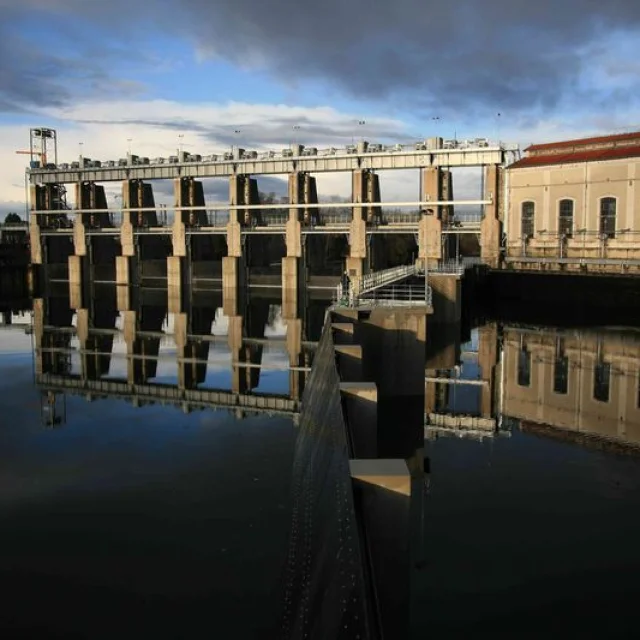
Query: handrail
[[368, 289], [370, 281]]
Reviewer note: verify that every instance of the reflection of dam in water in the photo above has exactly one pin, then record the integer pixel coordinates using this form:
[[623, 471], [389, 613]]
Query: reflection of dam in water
[[197, 358]]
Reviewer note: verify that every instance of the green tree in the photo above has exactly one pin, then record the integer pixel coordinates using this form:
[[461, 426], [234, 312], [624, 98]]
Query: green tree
[[12, 217]]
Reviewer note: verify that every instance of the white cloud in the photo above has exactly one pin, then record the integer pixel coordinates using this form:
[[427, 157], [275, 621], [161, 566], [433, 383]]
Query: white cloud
[[153, 126]]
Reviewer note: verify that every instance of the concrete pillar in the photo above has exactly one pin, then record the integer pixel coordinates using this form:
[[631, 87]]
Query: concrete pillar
[[487, 362], [129, 334], [349, 360], [180, 328], [382, 493], [233, 265], [89, 195], [290, 287], [491, 226], [75, 281], [430, 226], [358, 232], [360, 401], [294, 349], [175, 294], [123, 274], [187, 193], [34, 227], [181, 190], [447, 298], [302, 190], [79, 236], [235, 340], [402, 332], [129, 198]]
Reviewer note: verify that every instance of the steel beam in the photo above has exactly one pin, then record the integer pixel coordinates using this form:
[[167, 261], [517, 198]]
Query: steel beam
[[406, 159]]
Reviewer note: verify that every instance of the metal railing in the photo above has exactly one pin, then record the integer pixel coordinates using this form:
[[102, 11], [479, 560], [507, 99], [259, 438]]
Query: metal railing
[[328, 217], [455, 267], [398, 217], [389, 296], [377, 279], [374, 288]]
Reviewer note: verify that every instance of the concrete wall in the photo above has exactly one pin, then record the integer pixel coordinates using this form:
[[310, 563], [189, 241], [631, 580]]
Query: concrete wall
[[326, 593], [447, 298]]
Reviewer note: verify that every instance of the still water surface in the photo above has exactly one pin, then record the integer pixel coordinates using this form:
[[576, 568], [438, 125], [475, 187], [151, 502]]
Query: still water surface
[[138, 522], [147, 521]]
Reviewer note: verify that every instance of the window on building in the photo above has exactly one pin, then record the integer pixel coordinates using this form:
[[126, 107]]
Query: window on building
[[561, 374], [524, 368], [608, 217], [565, 222], [602, 381], [528, 213]]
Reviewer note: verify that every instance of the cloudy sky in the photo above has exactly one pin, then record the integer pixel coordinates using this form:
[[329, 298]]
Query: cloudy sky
[[102, 73]]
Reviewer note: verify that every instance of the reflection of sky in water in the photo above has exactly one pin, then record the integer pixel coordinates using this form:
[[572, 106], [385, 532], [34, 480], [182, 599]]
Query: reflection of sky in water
[[464, 398], [177, 523]]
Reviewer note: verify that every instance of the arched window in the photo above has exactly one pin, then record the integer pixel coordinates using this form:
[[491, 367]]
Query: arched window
[[528, 213], [565, 218], [608, 217]]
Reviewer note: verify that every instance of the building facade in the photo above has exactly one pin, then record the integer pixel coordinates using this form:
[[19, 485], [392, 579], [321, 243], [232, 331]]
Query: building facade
[[574, 206], [574, 381]]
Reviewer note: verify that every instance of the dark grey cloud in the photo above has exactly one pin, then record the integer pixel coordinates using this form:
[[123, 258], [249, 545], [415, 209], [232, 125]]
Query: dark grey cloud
[[455, 57], [33, 74]]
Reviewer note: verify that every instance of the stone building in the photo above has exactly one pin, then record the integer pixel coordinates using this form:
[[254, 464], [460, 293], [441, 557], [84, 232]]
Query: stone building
[[574, 206]]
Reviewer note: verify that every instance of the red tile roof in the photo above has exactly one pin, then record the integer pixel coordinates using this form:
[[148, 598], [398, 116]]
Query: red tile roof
[[571, 157], [619, 137]]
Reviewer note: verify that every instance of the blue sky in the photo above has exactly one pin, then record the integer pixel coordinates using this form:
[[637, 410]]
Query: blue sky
[[102, 72]]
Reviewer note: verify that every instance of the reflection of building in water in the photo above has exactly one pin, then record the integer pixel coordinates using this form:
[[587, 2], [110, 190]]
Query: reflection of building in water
[[579, 381], [98, 351]]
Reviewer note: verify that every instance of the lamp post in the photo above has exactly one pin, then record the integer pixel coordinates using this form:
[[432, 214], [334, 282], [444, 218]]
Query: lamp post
[[129, 140], [296, 128], [180, 138]]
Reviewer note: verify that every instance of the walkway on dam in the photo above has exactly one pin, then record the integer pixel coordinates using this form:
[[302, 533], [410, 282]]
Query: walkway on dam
[[394, 286]]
